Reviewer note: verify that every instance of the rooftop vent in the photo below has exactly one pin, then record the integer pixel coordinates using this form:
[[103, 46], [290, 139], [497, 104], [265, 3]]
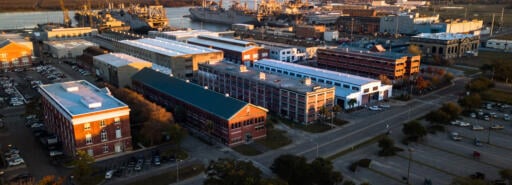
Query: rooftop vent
[[307, 81], [262, 76], [70, 87], [187, 81], [90, 102], [107, 91]]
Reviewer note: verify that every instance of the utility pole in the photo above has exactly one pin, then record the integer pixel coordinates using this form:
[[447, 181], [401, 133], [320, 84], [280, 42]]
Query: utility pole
[[352, 31], [409, 166], [396, 26], [501, 19], [492, 25]]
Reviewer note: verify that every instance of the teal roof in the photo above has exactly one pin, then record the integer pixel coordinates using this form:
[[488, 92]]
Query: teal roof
[[207, 100]]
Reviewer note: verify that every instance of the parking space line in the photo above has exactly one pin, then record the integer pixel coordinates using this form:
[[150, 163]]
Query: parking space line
[[386, 175], [428, 165], [464, 156]]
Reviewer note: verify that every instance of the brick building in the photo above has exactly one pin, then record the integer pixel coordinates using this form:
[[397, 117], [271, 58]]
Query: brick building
[[86, 118], [368, 63], [209, 114], [14, 55], [447, 45], [298, 100], [87, 56], [236, 51], [309, 31], [358, 24]]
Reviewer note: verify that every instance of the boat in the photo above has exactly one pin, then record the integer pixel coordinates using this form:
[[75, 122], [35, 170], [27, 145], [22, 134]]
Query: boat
[[143, 19], [214, 13]]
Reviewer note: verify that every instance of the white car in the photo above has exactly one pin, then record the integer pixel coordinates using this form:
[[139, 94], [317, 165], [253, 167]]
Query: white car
[[36, 125], [472, 115], [16, 162], [375, 108], [108, 174], [477, 127], [12, 157], [385, 106], [464, 124], [456, 122]]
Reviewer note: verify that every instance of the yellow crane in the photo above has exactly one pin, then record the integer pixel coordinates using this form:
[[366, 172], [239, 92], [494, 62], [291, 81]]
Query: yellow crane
[[67, 20]]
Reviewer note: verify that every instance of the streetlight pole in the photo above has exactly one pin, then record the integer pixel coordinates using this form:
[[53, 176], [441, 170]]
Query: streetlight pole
[[409, 166], [316, 150], [489, 136], [178, 170]]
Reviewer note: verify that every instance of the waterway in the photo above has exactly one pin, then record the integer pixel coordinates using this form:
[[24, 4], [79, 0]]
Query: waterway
[[21, 20]]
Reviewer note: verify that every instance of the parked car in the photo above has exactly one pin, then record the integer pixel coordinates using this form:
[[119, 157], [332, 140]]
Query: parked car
[[497, 126], [374, 108], [456, 122], [455, 136], [156, 160], [36, 125], [12, 157], [464, 124], [385, 106], [108, 174], [16, 162], [477, 127], [55, 153], [477, 142], [472, 115]]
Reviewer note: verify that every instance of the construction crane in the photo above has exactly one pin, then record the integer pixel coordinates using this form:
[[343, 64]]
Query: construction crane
[[67, 20], [91, 24]]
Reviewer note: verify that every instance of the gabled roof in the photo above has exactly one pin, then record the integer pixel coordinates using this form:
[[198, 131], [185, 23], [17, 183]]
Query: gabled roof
[[6, 42], [206, 100]]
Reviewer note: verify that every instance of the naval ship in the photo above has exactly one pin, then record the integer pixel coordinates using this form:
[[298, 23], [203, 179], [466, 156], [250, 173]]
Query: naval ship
[[143, 19], [214, 13]]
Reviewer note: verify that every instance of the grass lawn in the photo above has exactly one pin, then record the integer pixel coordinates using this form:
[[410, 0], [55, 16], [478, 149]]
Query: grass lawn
[[497, 96], [170, 177], [466, 70], [357, 146], [312, 128], [484, 57], [246, 150], [275, 139]]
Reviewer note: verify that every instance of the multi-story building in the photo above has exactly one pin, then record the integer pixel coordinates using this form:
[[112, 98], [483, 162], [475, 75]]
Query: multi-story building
[[358, 24], [298, 100], [14, 55], [67, 48], [118, 68], [181, 35], [368, 63], [86, 60], [85, 117], [303, 52], [451, 26], [57, 32], [180, 57], [447, 45], [362, 90], [236, 51], [405, 23], [309, 31], [209, 114]]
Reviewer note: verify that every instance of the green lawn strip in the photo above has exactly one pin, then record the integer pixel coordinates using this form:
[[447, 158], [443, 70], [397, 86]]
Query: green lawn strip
[[497, 96], [170, 177], [386, 175], [246, 150], [485, 142], [428, 165], [355, 147], [467, 71], [275, 139], [464, 156]]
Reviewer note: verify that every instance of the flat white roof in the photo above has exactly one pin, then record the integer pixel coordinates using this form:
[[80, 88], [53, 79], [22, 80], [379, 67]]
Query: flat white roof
[[60, 44], [225, 39], [326, 74], [168, 47], [186, 33], [119, 59], [221, 45], [77, 97], [444, 36]]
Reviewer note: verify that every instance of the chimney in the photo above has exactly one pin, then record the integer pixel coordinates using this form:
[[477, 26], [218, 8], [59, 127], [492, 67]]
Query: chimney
[[262, 76], [307, 81]]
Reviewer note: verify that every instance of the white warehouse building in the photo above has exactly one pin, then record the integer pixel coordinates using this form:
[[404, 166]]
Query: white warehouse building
[[363, 90]]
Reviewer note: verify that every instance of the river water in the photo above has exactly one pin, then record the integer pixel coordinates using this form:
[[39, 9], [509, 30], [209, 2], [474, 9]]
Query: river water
[[20, 20]]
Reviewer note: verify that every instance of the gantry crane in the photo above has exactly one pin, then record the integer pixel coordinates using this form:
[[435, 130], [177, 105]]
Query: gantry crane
[[67, 20]]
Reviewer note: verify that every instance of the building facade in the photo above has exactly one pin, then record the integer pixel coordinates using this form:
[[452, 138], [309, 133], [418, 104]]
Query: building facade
[[298, 100], [447, 45], [67, 48], [309, 31], [368, 63], [14, 55], [181, 58], [236, 51], [358, 24], [405, 23], [209, 114], [363, 90], [86, 118], [118, 68]]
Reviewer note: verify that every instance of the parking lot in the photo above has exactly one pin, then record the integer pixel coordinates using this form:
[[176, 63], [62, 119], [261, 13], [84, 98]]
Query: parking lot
[[439, 157]]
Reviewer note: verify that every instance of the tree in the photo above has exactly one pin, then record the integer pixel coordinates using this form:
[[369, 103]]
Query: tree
[[51, 180], [507, 175], [153, 131], [83, 170], [323, 172], [176, 134], [479, 84], [448, 77], [414, 49], [209, 126], [232, 172], [452, 109], [293, 169], [438, 116], [352, 102], [387, 147], [468, 181], [422, 84], [471, 101], [323, 111], [385, 80], [414, 131]]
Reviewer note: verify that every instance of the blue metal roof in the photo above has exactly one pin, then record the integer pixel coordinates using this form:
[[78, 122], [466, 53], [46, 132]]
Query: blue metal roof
[[207, 100]]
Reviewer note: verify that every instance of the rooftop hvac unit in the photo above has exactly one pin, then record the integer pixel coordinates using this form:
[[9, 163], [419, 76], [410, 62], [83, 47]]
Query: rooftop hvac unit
[[90, 102]]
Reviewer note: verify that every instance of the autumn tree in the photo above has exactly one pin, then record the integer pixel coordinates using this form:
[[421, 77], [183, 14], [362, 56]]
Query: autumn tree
[[471, 101], [479, 84], [452, 109], [297, 171], [422, 84], [51, 180], [438, 116], [352, 102], [385, 80], [232, 172], [414, 49], [414, 131], [83, 170]]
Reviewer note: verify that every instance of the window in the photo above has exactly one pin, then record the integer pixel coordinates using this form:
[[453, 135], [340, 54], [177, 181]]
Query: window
[[102, 123], [375, 88], [88, 139], [90, 152], [366, 90], [337, 84], [346, 86], [104, 135], [321, 80], [87, 126], [118, 133], [355, 88], [105, 148], [292, 74], [117, 120]]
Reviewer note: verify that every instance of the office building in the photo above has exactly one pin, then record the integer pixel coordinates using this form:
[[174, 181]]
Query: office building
[[447, 45], [67, 48], [118, 68]]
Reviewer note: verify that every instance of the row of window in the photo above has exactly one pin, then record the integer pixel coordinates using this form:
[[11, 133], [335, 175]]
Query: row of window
[[87, 126], [103, 136]]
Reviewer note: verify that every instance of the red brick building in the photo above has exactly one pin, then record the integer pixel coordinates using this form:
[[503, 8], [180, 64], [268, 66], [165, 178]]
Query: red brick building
[[209, 114], [309, 31], [86, 118], [358, 24], [236, 51], [368, 63]]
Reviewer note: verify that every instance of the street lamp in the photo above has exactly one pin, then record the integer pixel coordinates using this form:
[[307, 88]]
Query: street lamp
[[178, 170], [489, 135], [409, 166]]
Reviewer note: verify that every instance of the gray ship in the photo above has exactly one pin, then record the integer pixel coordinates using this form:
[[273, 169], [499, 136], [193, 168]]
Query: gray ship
[[143, 19], [216, 14]]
